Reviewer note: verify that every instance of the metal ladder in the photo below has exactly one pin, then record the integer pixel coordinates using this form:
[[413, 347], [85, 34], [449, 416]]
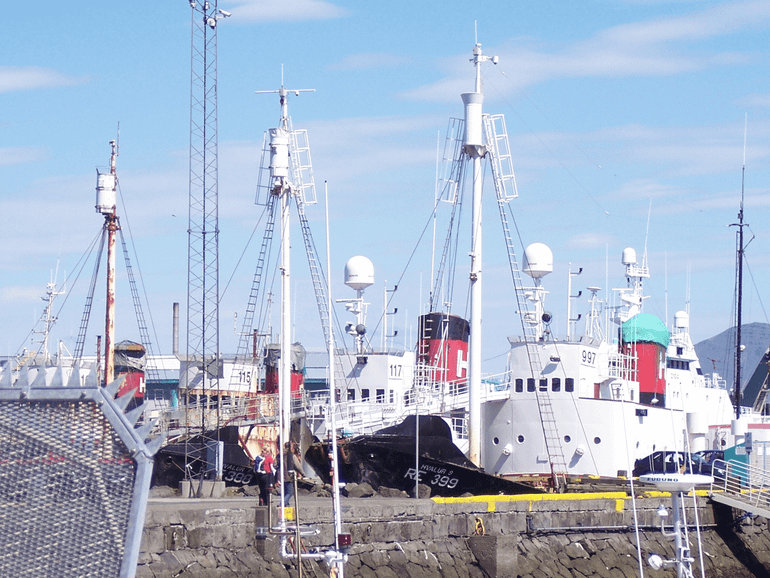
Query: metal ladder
[[144, 334], [242, 352], [81, 341], [502, 171]]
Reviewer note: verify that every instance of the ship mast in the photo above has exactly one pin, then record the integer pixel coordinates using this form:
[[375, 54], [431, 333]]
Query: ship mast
[[474, 147], [106, 194], [281, 186], [739, 289]]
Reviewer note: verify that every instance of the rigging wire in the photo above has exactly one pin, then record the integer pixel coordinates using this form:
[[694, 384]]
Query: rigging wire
[[408, 263], [546, 147], [138, 268], [79, 266], [759, 295], [243, 253]]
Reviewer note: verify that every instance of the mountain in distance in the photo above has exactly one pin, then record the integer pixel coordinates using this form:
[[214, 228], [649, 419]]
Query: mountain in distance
[[717, 354]]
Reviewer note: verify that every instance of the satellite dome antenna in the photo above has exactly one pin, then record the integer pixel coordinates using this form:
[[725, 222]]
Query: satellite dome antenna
[[359, 274], [538, 262]]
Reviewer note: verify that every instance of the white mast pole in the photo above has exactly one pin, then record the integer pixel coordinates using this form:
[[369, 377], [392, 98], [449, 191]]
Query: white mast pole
[[282, 187], [475, 148], [338, 559]]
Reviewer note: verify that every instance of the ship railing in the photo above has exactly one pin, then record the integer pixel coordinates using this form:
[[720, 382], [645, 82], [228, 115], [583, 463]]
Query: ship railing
[[715, 381], [741, 486], [240, 410], [622, 366]]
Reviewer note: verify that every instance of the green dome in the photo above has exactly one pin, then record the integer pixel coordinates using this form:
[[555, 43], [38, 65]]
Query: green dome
[[645, 328]]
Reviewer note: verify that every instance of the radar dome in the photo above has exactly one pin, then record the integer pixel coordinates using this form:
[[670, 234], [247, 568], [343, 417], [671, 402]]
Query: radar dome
[[681, 320], [538, 260], [629, 256], [359, 273]]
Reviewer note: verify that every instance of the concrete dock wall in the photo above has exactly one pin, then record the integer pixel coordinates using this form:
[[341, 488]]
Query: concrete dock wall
[[580, 535]]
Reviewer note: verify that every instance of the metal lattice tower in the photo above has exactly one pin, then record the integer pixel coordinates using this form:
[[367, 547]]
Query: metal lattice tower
[[203, 230]]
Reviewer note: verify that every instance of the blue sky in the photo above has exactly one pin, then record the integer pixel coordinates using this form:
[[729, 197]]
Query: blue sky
[[615, 110]]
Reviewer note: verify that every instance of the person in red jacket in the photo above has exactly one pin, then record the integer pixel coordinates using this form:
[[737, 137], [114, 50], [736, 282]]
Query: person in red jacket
[[266, 472]]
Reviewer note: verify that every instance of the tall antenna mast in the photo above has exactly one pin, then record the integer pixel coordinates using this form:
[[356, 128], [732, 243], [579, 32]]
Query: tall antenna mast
[[739, 283], [203, 229]]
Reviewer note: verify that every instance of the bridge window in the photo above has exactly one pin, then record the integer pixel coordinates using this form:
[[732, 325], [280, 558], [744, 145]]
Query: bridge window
[[364, 395], [569, 384], [351, 395], [530, 384], [380, 396], [519, 385], [556, 384], [543, 385]]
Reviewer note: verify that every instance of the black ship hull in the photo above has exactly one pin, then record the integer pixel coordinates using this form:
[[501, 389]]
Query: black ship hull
[[387, 458]]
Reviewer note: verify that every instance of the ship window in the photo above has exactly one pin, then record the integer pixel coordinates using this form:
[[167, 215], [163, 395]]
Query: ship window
[[496, 441], [520, 439], [530, 384], [519, 385], [380, 396], [700, 371], [597, 440], [364, 395], [680, 350], [569, 384], [543, 385], [567, 439], [351, 395], [392, 397], [556, 384]]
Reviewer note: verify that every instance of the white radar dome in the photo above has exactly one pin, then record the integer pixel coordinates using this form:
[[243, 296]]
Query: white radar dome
[[538, 260], [359, 273], [681, 320], [629, 256]]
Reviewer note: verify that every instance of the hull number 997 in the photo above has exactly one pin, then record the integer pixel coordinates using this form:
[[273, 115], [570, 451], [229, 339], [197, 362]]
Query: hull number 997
[[588, 357]]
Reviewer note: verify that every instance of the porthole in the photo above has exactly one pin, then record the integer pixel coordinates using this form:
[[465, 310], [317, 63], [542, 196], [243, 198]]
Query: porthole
[[567, 439], [520, 439], [597, 440], [496, 441]]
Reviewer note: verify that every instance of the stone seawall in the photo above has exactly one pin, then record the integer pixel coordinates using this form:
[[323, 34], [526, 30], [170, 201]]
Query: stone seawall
[[576, 535]]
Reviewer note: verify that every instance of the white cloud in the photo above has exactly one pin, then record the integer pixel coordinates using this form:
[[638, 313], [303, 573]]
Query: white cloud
[[647, 189], [19, 155], [284, 11], [754, 101], [17, 78], [648, 48], [370, 60], [589, 241], [15, 294]]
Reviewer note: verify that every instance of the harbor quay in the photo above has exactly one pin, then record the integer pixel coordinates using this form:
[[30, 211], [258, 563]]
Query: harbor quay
[[552, 535]]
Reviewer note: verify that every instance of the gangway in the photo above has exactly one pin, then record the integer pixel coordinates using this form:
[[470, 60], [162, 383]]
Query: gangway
[[743, 486]]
